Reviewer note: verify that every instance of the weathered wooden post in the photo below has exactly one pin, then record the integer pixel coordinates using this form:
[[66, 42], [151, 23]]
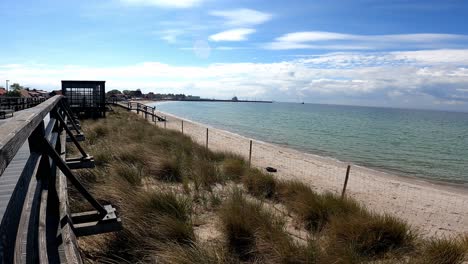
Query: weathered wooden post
[[165, 120], [250, 154], [346, 182], [182, 126], [206, 138]]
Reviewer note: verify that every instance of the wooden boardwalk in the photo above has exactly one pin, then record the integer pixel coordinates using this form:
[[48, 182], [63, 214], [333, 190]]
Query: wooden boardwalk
[[36, 222], [11, 176], [138, 107]]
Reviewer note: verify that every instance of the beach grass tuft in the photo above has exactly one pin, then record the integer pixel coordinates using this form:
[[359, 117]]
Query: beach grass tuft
[[256, 233], [369, 235], [259, 184], [444, 251], [233, 168]]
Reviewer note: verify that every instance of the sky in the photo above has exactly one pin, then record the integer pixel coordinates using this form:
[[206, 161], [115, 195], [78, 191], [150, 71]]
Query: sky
[[402, 53]]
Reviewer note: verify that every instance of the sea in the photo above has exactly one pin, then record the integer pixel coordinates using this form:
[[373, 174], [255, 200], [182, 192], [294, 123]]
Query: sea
[[418, 143]]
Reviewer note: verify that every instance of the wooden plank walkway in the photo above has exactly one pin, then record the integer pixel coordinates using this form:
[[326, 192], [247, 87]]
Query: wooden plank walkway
[[10, 177], [12, 173], [147, 110]]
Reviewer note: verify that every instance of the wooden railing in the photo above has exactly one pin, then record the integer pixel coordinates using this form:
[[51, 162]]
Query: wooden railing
[[19, 103], [139, 107], [37, 225]]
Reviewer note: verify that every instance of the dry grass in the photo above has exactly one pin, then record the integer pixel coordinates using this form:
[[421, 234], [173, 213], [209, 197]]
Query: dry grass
[[256, 234], [172, 253], [444, 251], [160, 179], [259, 184], [234, 168], [369, 236], [315, 210]]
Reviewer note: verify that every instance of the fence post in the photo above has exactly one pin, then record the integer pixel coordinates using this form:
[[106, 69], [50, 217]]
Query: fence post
[[182, 126], [346, 181], [165, 120], [206, 138], [250, 154]]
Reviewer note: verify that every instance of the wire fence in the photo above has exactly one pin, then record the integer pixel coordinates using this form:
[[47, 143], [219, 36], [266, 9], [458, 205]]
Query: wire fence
[[433, 209]]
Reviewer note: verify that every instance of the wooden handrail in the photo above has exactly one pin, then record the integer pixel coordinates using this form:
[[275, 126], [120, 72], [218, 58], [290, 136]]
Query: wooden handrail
[[16, 130]]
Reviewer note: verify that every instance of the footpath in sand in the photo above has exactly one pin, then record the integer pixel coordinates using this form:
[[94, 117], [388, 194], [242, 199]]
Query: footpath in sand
[[432, 208]]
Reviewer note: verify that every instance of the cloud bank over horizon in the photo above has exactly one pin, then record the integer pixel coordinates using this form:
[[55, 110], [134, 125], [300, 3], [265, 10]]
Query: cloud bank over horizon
[[426, 79]]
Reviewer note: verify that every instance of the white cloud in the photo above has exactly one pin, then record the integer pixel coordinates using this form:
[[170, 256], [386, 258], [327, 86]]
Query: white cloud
[[169, 35], [442, 56], [384, 77], [163, 3], [310, 36], [238, 34], [336, 41], [242, 17]]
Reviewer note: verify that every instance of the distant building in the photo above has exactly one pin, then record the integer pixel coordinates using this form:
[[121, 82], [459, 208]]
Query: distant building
[[190, 97], [150, 96], [55, 92], [24, 93]]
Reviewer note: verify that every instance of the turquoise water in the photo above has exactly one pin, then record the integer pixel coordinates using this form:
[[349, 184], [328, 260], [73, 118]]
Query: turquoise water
[[421, 143]]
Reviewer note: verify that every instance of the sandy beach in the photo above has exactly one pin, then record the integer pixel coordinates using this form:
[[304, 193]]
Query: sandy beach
[[433, 209]]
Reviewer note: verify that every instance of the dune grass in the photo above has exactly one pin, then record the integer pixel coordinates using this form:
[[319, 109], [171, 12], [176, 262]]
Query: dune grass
[[257, 234], [444, 251], [159, 180]]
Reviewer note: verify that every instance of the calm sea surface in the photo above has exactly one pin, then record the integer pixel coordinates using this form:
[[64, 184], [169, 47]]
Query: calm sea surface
[[419, 143]]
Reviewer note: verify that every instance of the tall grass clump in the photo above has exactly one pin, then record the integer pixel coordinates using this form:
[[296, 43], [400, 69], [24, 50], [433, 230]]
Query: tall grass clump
[[131, 173], [314, 209], [168, 169], [173, 253], [256, 234], [259, 184], [233, 168], [205, 174], [240, 220], [444, 251], [369, 235]]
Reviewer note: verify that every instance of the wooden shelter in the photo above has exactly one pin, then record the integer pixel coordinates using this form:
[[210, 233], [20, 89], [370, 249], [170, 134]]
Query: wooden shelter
[[86, 98]]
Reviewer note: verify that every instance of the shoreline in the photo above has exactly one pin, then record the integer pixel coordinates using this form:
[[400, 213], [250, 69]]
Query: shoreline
[[456, 186], [437, 209]]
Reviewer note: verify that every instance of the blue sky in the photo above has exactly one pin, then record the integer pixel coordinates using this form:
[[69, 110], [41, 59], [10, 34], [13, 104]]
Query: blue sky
[[362, 52]]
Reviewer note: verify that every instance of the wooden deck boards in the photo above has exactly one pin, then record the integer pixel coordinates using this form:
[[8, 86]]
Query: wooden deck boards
[[11, 175]]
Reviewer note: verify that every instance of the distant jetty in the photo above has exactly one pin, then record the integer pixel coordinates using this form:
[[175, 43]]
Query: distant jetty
[[216, 100], [220, 100]]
